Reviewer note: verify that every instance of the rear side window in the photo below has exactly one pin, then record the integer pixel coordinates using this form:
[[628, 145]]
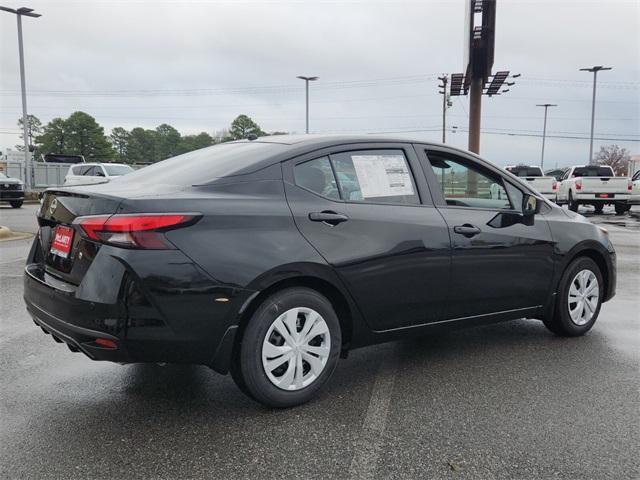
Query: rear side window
[[375, 176], [317, 176]]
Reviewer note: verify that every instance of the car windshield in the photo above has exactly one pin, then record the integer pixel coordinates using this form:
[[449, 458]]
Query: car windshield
[[526, 171], [202, 166], [117, 170], [593, 172]]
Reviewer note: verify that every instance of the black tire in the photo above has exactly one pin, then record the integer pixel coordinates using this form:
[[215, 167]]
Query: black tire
[[573, 206], [561, 323], [248, 371], [16, 203], [621, 208], [598, 208]]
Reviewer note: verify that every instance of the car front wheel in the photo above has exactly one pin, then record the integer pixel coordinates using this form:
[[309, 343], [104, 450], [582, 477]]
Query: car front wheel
[[579, 299], [289, 348], [16, 203]]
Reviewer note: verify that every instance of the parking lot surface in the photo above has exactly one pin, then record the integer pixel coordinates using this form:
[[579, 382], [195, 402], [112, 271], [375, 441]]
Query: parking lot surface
[[504, 401]]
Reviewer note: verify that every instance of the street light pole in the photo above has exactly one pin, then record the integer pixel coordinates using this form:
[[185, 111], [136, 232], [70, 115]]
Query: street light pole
[[595, 71], [446, 103], [27, 154], [306, 84], [544, 129]]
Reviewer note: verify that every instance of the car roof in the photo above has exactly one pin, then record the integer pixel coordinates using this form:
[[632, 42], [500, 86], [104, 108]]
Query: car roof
[[91, 164]]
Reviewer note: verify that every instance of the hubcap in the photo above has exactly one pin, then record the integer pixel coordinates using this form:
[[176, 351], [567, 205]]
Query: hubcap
[[583, 297], [296, 348]]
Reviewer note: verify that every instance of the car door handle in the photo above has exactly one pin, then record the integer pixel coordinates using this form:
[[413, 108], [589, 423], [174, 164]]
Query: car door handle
[[329, 217], [467, 230]]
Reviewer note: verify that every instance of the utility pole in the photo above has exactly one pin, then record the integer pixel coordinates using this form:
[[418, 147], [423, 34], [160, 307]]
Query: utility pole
[[446, 103], [27, 154], [595, 71], [544, 129], [306, 84]]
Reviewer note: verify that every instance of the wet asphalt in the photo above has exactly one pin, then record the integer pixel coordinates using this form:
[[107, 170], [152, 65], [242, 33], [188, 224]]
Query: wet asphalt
[[503, 401]]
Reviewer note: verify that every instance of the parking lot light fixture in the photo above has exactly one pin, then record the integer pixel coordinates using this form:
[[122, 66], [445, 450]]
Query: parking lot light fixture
[[306, 84], [19, 13]]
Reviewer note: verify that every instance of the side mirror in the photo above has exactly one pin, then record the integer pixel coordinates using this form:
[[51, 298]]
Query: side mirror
[[99, 174], [530, 205]]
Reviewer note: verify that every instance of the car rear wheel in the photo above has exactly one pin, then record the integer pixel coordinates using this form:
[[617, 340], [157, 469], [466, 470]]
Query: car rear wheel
[[579, 299], [621, 208], [573, 205], [16, 203], [289, 348]]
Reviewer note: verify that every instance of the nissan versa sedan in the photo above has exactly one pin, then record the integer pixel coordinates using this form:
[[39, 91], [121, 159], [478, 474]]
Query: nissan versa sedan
[[271, 258]]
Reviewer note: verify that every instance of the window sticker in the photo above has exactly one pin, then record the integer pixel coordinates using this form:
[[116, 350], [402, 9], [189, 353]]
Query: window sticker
[[383, 175]]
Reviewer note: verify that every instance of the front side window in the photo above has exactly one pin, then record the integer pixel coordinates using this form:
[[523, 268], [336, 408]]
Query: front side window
[[467, 185], [375, 176], [317, 176]]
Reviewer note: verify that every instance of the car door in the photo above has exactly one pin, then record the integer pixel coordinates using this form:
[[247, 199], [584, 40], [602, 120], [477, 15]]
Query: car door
[[364, 212], [499, 262]]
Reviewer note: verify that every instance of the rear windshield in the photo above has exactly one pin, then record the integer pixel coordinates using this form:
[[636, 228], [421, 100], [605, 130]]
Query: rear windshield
[[526, 171], [593, 172], [117, 170], [202, 166]]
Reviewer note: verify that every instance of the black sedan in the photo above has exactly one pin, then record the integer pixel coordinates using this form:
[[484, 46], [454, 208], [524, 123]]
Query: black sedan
[[11, 190], [271, 258]]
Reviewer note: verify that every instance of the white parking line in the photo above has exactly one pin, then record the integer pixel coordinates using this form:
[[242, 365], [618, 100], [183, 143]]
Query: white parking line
[[364, 463]]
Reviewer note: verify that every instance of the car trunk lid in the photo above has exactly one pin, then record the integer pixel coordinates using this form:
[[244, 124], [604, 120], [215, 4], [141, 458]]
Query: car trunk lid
[[66, 253]]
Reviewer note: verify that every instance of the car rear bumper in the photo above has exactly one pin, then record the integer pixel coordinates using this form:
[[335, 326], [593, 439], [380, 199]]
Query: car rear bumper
[[592, 197], [634, 200], [40, 292], [155, 306]]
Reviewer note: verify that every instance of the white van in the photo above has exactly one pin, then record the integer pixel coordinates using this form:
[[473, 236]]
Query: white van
[[91, 173]]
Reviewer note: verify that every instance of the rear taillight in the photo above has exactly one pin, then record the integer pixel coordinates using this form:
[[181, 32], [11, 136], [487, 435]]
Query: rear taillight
[[630, 185], [578, 185], [144, 231], [554, 185]]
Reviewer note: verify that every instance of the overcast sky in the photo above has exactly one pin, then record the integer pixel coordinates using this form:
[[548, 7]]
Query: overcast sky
[[197, 65]]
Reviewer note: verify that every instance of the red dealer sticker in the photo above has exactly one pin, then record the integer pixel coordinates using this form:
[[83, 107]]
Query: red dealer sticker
[[62, 238]]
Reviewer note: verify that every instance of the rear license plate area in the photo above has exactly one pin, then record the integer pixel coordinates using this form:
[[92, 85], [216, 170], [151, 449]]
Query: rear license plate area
[[604, 195], [62, 241]]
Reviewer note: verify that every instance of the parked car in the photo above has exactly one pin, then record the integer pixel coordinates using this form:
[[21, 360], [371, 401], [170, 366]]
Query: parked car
[[11, 190], [92, 173], [634, 198], [594, 185], [245, 258], [546, 185], [556, 173]]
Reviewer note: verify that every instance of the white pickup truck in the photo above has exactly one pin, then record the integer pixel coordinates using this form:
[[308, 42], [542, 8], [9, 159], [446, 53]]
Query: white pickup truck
[[536, 178], [594, 185]]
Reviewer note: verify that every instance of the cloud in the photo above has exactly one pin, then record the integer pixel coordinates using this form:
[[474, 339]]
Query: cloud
[[246, 56]]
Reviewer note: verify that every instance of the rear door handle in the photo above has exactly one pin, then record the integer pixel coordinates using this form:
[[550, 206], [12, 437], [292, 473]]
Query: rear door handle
[[329, 217], [467, 230]]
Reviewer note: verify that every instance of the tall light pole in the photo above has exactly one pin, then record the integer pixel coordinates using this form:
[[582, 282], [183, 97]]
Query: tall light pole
[[306, 84], [544, 129], [595, 71], [28, 12]]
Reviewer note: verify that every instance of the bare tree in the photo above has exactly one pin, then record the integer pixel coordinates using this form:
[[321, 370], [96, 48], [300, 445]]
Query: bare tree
[[615, 157]]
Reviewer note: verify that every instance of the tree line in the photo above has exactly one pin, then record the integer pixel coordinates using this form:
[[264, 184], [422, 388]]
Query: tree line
[[81, 134]]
